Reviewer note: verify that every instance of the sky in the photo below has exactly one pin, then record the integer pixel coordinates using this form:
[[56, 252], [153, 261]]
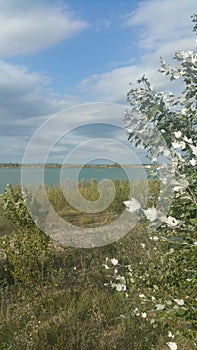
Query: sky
[[65, 69]]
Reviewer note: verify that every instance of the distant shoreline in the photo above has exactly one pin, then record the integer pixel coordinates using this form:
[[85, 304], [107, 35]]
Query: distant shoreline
[[91, 166]]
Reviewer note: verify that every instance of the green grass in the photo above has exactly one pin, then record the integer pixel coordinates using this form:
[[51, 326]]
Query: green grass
[[71, 307], [75, 310]]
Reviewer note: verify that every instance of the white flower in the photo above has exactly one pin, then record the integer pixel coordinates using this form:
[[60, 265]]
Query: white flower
[[129, 268], [172, 346], [177, 134], [160, 306], [136, 312], [177, 75], [187, 140], [180, 144], [180, 185], [114, 261], [142, 296], [122, 316], [144, 314], [171, 221], [155, 238], [184, 111], [132, 205], [170, 335], [193, 162], [180, 302], [171, 251], [151, 214], [106, 267], [194, 59], [142, 245], [194, 149], [120, 287], [129, 130]]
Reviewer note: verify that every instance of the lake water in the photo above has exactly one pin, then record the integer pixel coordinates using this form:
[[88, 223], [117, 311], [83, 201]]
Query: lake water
[[54, 175]]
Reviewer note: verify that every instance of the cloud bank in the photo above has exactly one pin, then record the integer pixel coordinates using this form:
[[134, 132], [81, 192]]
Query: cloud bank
[[160, 27], [26, 30]]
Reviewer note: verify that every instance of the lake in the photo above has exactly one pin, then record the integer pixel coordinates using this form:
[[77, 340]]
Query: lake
[[52, 175]]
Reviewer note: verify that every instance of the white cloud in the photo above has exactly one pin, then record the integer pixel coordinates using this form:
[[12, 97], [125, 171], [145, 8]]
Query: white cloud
[[114, 85], [26, 100], [110, 86], [165, 26], [12, 75], [28, 29], [162, 21]]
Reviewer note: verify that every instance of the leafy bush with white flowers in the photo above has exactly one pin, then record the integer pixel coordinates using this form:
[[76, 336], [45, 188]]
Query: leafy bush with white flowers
[[165, 125]]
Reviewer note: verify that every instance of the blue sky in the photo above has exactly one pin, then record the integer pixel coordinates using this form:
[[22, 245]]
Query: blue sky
[[56, 55]]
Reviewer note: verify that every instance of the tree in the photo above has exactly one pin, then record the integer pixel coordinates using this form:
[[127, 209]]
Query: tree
[[165, 125]]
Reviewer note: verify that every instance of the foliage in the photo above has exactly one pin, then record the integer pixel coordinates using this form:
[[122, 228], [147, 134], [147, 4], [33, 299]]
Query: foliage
[[27, 251], [165, 125], [14, 207], [59, 300]]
